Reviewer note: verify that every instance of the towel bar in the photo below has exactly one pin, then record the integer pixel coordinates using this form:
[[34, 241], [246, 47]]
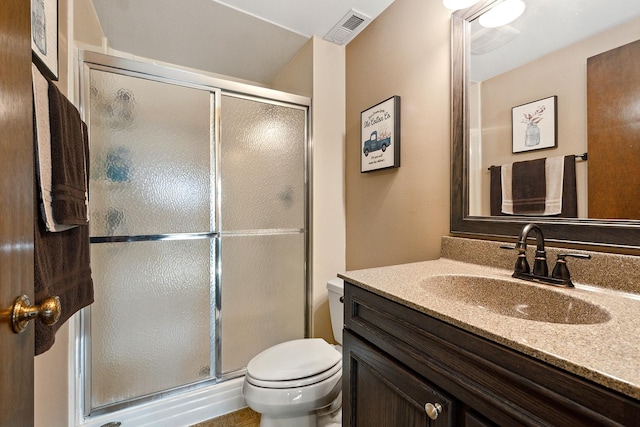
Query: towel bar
[[583, 157]]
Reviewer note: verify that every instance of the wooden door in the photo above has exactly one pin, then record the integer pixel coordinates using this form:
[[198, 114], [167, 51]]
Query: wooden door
[[16, 210], [613, 126]]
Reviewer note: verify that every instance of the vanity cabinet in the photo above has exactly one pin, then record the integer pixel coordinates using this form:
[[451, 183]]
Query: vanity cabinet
[[397, 361], [386, 393]]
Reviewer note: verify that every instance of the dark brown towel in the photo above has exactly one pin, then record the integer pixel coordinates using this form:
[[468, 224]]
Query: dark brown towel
[[68, 173], [62, 269], [61, 259], [529, 187], [569, 193], [495, 188]]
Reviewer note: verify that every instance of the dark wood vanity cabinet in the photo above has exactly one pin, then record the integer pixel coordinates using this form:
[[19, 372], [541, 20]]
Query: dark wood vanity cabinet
[[398, 361], [385, 393]]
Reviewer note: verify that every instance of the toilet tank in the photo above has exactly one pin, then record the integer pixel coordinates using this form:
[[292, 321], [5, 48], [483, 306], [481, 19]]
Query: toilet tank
[[336, 292]]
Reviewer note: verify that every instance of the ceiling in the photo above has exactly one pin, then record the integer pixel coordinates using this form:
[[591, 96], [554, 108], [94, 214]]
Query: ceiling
[[544, 27], [244, 39]]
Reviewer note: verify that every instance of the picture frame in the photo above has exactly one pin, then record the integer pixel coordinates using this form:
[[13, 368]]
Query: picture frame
[[44, 36], [380, 136], [535, 125]]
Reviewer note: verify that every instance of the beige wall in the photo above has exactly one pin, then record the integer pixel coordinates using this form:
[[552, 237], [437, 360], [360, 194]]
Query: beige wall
[[400, 215], [328, 204], [318, 71], [562, 73], [297, 76]]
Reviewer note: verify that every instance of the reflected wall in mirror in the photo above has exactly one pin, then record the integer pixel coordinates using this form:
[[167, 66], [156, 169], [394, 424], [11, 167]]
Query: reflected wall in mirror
[[542, 54]]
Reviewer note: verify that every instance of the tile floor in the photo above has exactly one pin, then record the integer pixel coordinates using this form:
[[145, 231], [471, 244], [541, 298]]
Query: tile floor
[[242, 418]]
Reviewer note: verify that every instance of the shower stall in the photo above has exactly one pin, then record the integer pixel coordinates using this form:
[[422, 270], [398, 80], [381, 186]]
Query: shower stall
[[199, 229]]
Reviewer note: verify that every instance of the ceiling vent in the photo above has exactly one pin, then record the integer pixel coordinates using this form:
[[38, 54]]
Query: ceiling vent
[[487, 40], [348, 27]]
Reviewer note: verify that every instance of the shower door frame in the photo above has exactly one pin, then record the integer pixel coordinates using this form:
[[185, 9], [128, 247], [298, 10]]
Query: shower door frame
[[196, 79]]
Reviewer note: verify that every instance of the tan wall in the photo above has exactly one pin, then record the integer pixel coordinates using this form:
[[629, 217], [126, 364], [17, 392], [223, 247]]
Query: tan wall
[[297, 76], [564, 74], [328, 205], [318, 70], [86, 26], [400, 215]]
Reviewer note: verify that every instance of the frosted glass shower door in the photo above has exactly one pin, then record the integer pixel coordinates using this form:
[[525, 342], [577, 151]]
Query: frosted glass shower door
[[153, 235], [263, 227]]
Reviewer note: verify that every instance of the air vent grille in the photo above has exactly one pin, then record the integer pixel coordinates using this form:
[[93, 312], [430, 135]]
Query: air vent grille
[[347, 28], [489, 39], [353, 22]]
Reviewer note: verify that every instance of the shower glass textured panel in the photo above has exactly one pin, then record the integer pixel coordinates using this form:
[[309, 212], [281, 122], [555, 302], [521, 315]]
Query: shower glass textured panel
[[150, 326], [263, 297], [262, 165], [150, 156]]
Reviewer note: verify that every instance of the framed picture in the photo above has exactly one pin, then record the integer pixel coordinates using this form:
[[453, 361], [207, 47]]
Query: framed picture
[[380, 136], [44, 36], [534, 125]]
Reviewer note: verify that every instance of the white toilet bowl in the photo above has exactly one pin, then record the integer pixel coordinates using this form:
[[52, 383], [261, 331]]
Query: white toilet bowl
[[298, 383], [308, 384]]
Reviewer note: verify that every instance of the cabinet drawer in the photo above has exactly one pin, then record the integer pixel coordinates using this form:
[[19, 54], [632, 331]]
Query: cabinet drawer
[[505, 386]]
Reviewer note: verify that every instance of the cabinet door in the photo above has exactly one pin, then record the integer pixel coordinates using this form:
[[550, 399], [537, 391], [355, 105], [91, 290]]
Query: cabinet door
[[380, 392]]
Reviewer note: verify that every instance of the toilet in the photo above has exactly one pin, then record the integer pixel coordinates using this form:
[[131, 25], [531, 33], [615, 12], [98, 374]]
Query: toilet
[[299, 383]]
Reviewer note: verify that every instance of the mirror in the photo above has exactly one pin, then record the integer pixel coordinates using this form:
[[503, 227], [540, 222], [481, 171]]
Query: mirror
[[483, 122]]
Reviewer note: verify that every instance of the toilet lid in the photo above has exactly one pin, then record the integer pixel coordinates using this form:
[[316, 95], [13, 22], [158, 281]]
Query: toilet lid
[[293, 360]]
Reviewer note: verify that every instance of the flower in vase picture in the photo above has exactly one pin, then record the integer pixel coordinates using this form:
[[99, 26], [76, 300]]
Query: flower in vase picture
[[532, 133], [534, 125]]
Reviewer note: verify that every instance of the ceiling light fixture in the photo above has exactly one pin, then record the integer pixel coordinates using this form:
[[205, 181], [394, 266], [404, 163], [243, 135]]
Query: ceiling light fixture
[[502, 13], [458, 4]]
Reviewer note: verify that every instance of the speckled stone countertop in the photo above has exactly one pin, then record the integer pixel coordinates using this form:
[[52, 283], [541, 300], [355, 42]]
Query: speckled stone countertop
[[606, 352]]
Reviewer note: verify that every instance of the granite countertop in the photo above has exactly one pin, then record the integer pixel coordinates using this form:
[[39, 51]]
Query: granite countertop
[[607, 353]]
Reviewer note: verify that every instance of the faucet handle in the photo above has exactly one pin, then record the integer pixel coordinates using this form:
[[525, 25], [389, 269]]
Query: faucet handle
[[540, 264], [561, 271], [522, 266]]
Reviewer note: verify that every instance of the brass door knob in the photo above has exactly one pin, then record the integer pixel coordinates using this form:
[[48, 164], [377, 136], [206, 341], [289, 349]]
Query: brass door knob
[[48, 311]]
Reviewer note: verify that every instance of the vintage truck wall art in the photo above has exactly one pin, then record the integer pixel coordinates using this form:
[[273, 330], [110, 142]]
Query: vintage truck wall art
[[375, 144]]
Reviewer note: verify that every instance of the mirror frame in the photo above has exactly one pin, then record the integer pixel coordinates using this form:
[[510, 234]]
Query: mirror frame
[[621, 234]]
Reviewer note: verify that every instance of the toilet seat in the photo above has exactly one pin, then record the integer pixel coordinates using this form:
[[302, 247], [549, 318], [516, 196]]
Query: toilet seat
[[296, 363], [300, 382]]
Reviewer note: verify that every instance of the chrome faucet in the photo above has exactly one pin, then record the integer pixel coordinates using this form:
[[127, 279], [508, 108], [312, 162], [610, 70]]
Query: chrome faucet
[[560, 275], [540, 261]]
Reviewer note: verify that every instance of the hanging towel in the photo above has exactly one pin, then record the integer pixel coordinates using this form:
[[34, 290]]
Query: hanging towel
[[42, 135], [61, 259], [569, 191], [495, 188], [507, 196], [68, 160], [61, 268], [528, 187], [554, 177], [559, 193]]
